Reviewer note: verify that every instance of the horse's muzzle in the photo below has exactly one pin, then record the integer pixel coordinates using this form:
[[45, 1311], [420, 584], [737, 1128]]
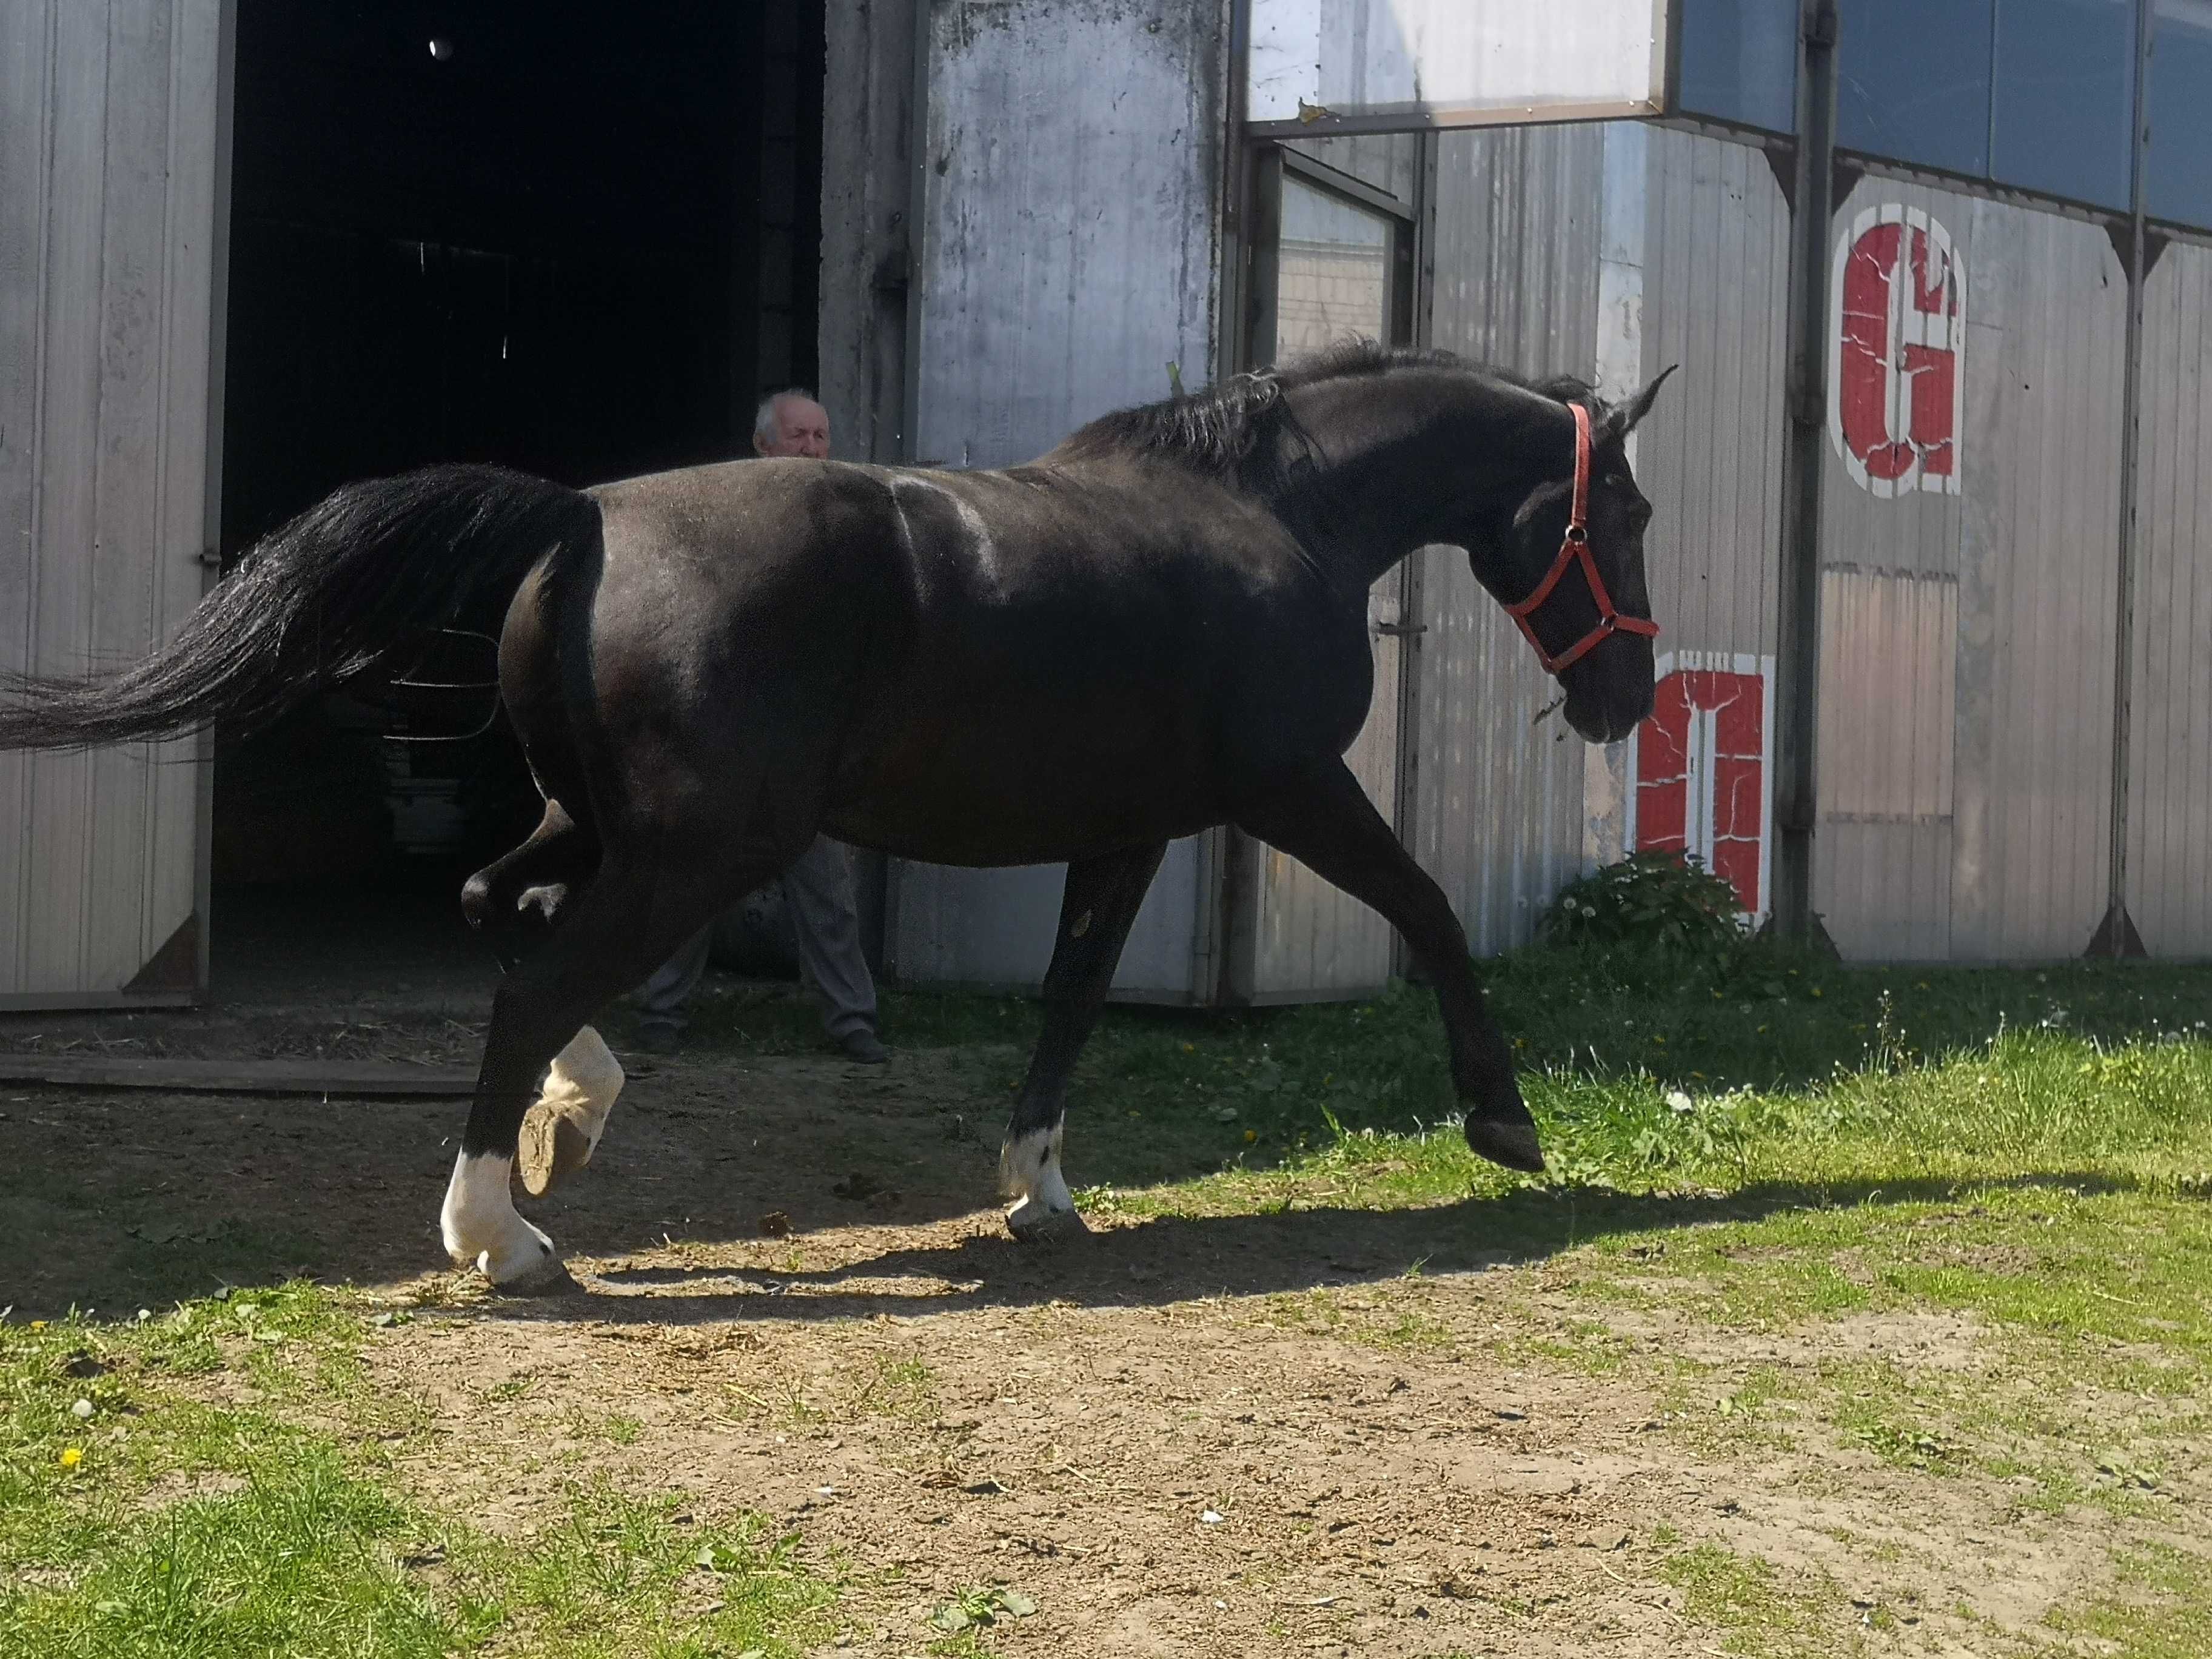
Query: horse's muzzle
[[1611, 692]]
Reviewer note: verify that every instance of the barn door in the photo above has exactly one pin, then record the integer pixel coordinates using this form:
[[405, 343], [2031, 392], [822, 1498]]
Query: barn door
[[113, 119], [1068, 174], [1336, 248]]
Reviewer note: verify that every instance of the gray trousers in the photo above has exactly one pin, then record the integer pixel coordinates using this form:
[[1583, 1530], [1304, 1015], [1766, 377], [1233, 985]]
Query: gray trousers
[[817, 893]]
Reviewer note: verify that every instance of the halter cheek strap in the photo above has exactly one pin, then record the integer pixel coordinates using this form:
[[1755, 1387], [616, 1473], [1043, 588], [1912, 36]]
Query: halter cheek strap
[[1575, 550]]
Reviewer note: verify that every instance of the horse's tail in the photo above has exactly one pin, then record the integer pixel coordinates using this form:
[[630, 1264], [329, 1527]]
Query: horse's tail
[[370, 568]]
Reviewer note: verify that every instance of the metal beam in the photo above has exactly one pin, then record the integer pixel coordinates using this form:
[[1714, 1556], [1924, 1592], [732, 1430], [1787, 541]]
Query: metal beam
[[2116, 934], [1797, 654]]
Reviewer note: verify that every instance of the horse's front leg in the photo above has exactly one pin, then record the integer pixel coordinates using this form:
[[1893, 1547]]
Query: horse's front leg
[[1325, 821], [1095, 911]]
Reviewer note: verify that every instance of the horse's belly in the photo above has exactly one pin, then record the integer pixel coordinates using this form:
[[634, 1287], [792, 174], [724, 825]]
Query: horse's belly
[[1003, 795]]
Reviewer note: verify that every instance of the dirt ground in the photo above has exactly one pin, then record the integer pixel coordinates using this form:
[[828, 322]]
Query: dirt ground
[[1139, 1430]]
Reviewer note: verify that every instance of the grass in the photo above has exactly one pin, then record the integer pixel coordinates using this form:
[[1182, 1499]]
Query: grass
[[2158, 1610], [155, 1519], [1759, 1610], [2028, 1155]]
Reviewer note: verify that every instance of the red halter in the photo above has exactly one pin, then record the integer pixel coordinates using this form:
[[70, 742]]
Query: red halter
[[1574, 548]]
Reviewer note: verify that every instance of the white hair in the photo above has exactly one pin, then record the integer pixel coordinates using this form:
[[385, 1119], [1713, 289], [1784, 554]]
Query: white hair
[[765, 429]]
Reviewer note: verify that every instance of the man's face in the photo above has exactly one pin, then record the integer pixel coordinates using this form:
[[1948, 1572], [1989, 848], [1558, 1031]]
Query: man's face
[[802, 428]]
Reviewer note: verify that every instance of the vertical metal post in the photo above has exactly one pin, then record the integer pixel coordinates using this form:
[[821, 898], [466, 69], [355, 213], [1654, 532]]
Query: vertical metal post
[[2116, 934], [1222, 868], [917, 233], [1797, 656]]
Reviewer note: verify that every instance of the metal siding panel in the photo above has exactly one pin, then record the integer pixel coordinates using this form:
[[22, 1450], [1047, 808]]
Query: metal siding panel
[[1458, 60], [126, 549], [57, 868], [1313, 938], [1066, 256], [1497, 820], [27, 63], [2170, 785], [1994, 355], [1885, 764], [190, 503], [1709, 457], [1715, 303], [108, 159], [995, 927], [2015, 859], [1068, 228]]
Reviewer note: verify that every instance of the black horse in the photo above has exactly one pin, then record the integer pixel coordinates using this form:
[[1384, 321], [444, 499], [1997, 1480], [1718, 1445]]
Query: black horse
[[1157, 627]]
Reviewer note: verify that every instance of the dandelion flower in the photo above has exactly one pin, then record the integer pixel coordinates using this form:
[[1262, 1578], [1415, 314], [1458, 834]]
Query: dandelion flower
[[38, 1324], [1251, 1135], [71, 1456]]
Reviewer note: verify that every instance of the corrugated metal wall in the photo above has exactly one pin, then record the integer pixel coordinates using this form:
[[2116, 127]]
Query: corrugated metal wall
[[1715, 301], [1967, 648], [2170, 761], [1308, 939], [110, 121], [1715, 306], [1065, 256], [1499, 799]]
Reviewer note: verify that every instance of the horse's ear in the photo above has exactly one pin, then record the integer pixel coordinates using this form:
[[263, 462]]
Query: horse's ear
[[1624, 418]]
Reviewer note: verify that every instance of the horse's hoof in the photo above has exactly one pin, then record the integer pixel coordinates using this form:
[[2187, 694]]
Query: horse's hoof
[[551, 1148], [1513, 1145], [550, 1277], [1031, 1222]]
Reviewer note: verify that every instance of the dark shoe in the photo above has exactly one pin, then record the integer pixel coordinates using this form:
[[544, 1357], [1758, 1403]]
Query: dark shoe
[[862, 1046], [659, 1039]]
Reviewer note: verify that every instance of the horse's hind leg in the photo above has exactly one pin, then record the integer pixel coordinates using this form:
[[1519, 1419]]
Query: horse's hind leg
[[1100, 902], [513, 900], [515, 903], [621, 926], [1326, 822]]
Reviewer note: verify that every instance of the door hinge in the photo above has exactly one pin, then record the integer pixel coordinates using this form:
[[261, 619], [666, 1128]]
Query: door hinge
[[1401, 630]]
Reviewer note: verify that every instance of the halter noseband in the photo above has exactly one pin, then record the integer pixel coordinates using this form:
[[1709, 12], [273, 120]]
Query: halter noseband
[[1575, 549]]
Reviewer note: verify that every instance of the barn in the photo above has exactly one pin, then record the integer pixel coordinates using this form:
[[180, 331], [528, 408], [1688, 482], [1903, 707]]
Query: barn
[[1927, 537]]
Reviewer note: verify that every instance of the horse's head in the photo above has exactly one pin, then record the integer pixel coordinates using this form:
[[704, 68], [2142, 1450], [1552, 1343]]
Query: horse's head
[[1572, 576]]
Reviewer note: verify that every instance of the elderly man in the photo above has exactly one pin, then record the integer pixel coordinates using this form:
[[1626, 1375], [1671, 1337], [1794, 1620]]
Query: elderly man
[[817, 890]]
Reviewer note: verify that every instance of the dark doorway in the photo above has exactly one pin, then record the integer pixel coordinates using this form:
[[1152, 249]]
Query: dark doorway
[[577, 238]]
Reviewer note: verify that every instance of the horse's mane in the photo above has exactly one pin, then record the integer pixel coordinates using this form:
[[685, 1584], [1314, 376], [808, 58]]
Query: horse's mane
[[1214, 430]]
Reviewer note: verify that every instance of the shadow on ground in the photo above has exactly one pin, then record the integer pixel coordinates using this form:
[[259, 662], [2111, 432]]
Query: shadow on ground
[[120, 1200]]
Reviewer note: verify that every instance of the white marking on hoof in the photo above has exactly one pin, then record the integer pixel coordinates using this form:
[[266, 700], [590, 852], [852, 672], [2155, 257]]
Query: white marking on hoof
[[1029, 1173], [564, 1125], [482, 1229]]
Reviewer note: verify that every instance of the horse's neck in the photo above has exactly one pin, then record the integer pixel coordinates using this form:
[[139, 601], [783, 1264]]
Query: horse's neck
[[1378, 468]]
